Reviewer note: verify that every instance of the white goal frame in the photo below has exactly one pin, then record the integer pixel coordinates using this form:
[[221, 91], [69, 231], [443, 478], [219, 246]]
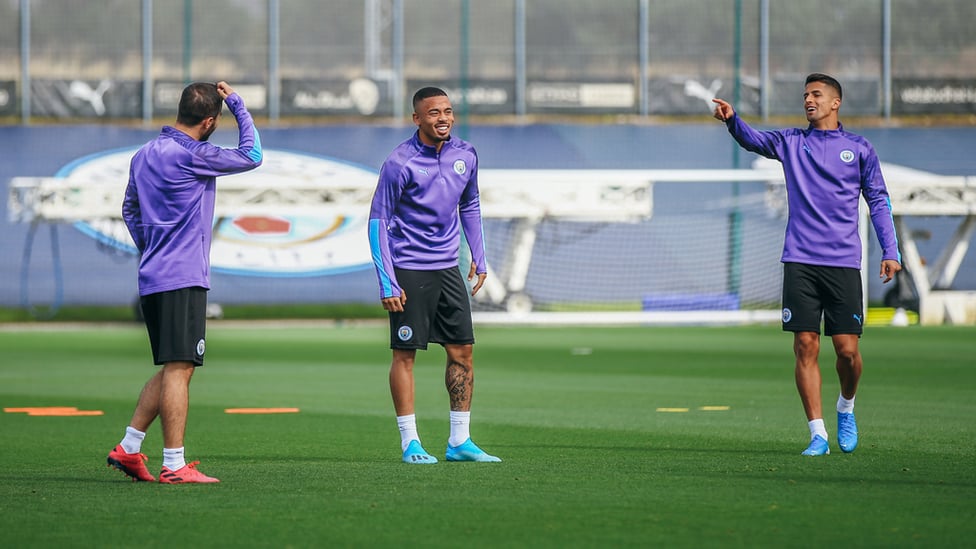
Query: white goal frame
[[531, 196]]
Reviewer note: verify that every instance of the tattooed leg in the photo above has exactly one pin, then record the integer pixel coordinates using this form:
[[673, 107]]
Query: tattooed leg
[[459, 376]]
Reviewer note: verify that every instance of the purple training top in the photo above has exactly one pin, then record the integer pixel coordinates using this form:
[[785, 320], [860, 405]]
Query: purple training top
[[826, 172], [169, 201], [422, 201]]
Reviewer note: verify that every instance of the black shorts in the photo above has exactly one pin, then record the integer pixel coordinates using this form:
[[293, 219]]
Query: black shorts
[[177, 325], [812, 291], [437, 310]]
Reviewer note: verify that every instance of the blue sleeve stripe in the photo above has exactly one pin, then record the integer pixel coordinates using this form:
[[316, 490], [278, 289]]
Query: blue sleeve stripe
[[256, 154], [895, 229], [376, 249]]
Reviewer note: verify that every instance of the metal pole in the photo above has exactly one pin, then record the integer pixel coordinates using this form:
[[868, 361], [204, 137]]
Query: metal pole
[[462, 101], [147, 55], [886, 55], [643, 56], [735, 217], [371, 41], [397, 79], [25, 77], [737, 56], [187, 39], [764, 87], [520, 80], [274, 67]]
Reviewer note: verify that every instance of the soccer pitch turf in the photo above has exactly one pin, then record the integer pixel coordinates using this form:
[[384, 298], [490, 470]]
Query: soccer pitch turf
[[611, 437]]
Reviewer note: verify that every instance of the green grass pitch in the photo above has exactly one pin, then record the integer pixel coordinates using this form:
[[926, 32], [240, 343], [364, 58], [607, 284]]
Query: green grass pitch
[[611, 437]]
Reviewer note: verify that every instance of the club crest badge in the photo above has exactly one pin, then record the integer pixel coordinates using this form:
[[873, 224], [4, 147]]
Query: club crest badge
[[847, 156], [460, 167], [405, 333], [787, 315]]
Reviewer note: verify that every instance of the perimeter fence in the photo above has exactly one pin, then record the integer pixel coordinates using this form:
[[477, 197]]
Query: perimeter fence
[[125, 59]]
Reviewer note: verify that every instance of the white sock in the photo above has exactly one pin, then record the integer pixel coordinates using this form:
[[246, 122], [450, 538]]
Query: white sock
[[408, 430], [132, 443], [173, 458], [817, 428], [845, 406], [460, 428]]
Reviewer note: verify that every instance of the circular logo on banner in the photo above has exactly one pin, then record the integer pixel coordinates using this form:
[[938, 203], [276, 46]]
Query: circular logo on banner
[[297, 215], [405, 333], [847, 156], [787, 315], [460, 167]]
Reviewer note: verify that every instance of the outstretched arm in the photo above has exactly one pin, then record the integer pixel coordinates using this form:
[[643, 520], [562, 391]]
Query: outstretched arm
[[766, 143]]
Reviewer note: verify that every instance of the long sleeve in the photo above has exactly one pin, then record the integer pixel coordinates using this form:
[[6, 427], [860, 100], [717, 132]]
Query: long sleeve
[[879, 205], [132, 215], [216, 161], [470, 211], [765, 143], [380, 216], [424, 197], [826, 173], [169, 201]]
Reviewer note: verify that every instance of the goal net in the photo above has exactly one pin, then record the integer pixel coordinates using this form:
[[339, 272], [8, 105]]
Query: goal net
[[646, 246], [565, 246]]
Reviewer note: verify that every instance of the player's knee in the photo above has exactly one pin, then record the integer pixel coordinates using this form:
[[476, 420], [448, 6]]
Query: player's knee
[[806, 345], [846, 349], [460, 353], [402, 363], [847, 358]]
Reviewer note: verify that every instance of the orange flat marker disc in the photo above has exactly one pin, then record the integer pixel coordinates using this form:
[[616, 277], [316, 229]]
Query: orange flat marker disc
[[31, 409], [64, 411], [261, 410]]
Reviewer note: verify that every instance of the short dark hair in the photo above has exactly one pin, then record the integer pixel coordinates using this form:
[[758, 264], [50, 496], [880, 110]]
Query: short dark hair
[[199, 101], [426, 93], [826, 79]]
